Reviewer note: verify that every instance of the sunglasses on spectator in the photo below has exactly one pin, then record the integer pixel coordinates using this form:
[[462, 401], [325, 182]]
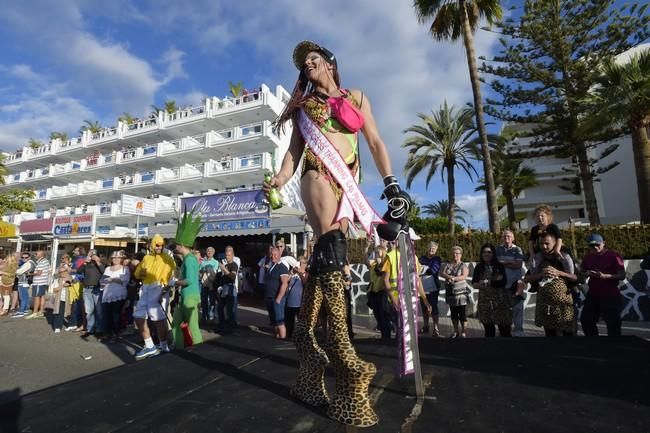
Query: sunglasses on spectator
[[25, 257], [159, 245]]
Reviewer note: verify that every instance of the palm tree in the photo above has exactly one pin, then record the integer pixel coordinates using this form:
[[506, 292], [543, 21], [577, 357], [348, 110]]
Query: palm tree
[[453, 19], [34, 144], [235, 89], [622, 97], [441, 209], [63, 136], [170, 106], [512, 177], [93, 127], [126, 118], [443, 144]]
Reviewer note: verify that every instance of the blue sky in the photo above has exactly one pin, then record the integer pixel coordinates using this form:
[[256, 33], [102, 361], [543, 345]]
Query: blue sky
[[67, 61]]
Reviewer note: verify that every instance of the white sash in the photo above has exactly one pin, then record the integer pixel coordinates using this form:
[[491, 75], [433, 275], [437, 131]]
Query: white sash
[[353, 201]]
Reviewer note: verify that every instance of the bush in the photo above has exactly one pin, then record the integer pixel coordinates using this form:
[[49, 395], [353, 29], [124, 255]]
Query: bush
[[630, 241]]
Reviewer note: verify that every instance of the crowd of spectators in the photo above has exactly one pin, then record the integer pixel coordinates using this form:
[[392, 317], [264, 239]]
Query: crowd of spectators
[[107, 297]]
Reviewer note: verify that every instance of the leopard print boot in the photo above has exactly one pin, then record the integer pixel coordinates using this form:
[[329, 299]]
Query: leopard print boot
[[312, 360], [350, 404]]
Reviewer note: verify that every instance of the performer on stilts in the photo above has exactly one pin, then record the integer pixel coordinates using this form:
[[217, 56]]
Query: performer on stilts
[[326, 121]]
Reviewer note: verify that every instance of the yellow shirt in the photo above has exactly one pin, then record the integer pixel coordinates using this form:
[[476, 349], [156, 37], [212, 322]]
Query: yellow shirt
[[155, 268], [390, 266]]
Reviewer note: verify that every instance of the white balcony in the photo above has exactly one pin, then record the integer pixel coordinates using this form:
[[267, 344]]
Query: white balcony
[[65, 169], [97, 160], [175, 174], [128, 181], [165, 204], [107, 209], [185, 115], [103, 136], [140, 127], [137, 154]]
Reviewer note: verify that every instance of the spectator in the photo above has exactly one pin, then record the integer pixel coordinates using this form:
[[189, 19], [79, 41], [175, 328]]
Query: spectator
[[208, 276], [391, 273], [493, 298], [263, 265], [92, 271], [40, 284], [544, 217], [115, 281], [187, 311], [377, 294], [61, 292], [512, 258], [550, 278], [227, 291], [431, 286], [7, 279], [297, 280], [605, 269], [276, 284], [455, 274], [156, 271], [279, 243], [25, 276]]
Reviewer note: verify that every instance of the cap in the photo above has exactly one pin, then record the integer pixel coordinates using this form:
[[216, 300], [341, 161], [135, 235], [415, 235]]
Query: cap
[[305, 47], [595, 239], [118, 254]]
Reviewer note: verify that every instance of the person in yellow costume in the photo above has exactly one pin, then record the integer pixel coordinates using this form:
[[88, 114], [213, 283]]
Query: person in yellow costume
[[155, 271], [391, 273]]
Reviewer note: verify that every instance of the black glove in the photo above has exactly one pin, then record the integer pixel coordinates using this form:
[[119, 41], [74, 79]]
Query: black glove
[[399, 203]]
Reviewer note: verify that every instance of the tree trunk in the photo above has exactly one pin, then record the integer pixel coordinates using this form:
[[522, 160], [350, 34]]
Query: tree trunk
[[510, 206], [641, 148], [451, 191], [587, 184], [490, 190]]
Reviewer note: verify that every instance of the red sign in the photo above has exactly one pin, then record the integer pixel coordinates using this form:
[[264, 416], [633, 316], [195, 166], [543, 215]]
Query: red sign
[[36, 226]]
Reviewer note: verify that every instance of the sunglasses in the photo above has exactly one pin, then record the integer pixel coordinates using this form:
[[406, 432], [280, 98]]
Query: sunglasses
[[25, 257], [159, 245]]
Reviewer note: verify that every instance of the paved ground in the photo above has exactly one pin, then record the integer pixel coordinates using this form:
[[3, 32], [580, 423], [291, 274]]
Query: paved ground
[[33, 357]]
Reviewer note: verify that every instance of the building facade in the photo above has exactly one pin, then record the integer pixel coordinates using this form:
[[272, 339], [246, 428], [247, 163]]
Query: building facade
[[559, 187], [221, 146]]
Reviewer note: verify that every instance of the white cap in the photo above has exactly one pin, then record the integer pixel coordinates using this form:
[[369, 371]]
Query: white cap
[[413, 235]]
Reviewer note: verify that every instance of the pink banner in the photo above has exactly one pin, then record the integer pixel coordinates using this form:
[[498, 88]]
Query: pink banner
[[353, 201]]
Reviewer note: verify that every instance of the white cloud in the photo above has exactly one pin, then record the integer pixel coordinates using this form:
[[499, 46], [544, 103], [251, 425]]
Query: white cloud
[[476, 207], [380, 47]]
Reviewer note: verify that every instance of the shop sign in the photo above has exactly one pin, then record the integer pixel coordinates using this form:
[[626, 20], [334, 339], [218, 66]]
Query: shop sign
[[132, 205], [37, 226], [229, 206], [7, 230], [74, 225]]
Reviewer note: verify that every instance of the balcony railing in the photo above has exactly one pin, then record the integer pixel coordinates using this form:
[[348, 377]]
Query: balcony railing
[[67, 168], [142, 125], [184, 114], [179, 173]]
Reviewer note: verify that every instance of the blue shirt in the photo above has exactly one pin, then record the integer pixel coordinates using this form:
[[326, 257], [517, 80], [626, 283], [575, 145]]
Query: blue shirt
[[433, 264]]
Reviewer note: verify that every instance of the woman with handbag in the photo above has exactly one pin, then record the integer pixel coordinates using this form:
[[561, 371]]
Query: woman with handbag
[[61, 287], [551, 278], [494, 307], [455, 274]]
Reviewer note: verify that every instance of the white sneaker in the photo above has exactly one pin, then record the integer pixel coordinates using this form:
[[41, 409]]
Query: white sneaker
[[147, 352], [57, 331], [70, 328]]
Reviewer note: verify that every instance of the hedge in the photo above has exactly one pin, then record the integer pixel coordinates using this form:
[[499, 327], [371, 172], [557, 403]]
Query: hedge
[[630, 241]]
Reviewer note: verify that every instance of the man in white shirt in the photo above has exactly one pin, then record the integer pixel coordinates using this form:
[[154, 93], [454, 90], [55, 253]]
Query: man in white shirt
[[40, 284]]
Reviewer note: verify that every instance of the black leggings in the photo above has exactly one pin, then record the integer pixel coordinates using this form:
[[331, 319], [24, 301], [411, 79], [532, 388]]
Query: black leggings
[[490, 330], [458, 312], [113, 316]]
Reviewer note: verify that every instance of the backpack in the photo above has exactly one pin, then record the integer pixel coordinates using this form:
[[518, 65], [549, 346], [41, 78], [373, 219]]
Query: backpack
[[30, 273]]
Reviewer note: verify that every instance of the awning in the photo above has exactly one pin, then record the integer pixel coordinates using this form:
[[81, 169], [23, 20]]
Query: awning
[[288, 224]]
